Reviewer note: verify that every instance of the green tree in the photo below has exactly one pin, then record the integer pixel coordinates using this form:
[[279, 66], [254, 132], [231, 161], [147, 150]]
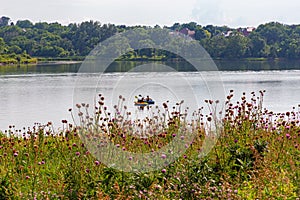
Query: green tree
[[4, 21], [147, 48], [273, 32], [175, 27], [258, 46], [2, 46], [192, 26], [201, 34], [41, 25], [24, 24], [216, 46], [237, 46], [14, 49]]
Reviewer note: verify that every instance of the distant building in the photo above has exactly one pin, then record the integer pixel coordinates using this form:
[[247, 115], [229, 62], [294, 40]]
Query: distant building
[[228, 33], [246, 31], [187, 32]]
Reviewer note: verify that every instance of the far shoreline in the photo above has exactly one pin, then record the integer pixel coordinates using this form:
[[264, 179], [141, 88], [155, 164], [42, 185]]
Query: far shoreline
[[77, 60]]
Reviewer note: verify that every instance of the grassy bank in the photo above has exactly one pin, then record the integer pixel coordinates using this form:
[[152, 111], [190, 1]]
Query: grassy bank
[[256, 155], [14, 59]]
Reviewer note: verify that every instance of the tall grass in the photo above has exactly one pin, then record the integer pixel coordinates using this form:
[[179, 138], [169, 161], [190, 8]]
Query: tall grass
[[257, 155]]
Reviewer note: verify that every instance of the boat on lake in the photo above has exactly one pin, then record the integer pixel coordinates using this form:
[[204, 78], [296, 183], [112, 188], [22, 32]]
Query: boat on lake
[[144, 101]]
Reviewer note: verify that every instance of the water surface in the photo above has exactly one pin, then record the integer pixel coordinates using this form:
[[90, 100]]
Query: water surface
[[44, 93]]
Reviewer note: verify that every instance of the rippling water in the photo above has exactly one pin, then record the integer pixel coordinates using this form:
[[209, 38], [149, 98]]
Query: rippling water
[[42, 97]]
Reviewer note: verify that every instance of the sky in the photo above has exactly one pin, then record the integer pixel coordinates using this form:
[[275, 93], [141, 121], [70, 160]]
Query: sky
[[232, 13]]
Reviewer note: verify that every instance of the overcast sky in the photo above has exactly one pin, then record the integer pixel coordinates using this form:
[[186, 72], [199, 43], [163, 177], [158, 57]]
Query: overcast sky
[[233, 13]]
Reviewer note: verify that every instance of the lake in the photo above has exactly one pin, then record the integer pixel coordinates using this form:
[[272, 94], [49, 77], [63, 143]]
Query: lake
[[42, 93]]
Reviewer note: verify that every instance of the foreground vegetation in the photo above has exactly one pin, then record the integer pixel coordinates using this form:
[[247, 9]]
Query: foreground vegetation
[[75, 41], [256, 155]]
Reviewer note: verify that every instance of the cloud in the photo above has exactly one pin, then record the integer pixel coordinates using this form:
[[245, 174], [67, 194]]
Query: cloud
[[245, 13], [209, 12]]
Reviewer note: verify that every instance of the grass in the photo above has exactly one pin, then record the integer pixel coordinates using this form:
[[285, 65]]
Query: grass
[[257, 155]]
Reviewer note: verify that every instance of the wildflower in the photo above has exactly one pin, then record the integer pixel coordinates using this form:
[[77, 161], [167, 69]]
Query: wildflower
[[27, 177], [235, 141], [130, 158], [163, 156], [163, 170], [97, 162], [173, 135], [158, 187], [77, 153], [87, 170], [15, 154], [165, 105], [266, 127], [288, 136]]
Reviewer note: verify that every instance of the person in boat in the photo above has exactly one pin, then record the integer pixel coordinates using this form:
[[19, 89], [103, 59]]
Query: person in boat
[[140, 98], [149, 100]]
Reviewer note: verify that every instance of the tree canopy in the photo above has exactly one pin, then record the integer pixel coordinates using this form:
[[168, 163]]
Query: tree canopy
[[42, 39]]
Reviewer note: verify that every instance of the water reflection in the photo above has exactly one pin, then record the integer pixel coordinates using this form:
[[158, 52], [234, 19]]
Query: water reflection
[[125, 66]]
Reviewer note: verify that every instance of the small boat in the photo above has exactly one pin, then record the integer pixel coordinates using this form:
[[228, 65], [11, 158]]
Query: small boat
[[150, 101], [144, 103]]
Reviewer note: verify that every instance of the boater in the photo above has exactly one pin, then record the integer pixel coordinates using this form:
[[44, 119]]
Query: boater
[[140, 98]]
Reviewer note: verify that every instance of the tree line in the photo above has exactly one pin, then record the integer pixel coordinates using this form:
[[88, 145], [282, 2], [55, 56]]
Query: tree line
[[53, 40]]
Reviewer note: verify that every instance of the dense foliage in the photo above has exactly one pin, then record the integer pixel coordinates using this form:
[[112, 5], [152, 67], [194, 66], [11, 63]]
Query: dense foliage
[[42, 39], [256, 156]]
